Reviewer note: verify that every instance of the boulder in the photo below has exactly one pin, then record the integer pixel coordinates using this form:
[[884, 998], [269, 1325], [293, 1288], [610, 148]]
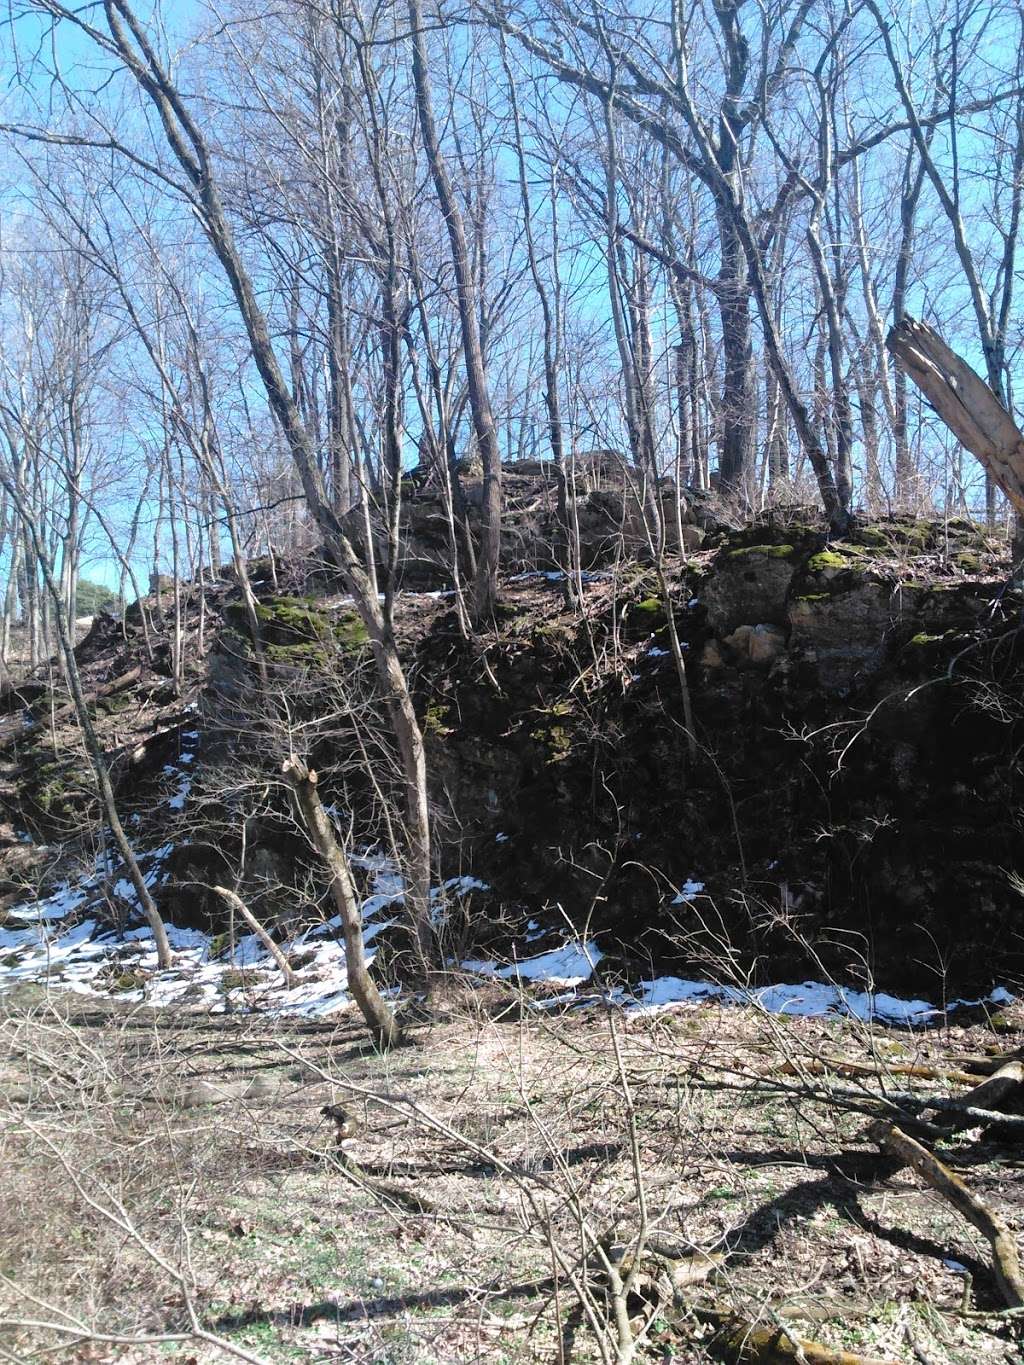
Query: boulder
[[755, 646], [749, 586]]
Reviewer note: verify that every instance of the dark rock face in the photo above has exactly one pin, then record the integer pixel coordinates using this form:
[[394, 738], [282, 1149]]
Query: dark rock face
[[857, 804], [750, 586]]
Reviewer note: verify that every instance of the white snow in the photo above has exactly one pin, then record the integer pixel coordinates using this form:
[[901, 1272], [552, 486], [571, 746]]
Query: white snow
[[87, 958], [557, 575], [569, 965], [37, 945], [809, 999]]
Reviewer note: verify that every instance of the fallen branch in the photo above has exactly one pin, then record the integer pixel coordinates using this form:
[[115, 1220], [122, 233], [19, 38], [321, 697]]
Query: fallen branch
[[67, 709], [747, 1344], [1005, 1256], [239, 907], [846, 1066], [979, 1064]]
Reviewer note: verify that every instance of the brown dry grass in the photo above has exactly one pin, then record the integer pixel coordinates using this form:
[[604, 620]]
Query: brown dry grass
[[483, 1145]]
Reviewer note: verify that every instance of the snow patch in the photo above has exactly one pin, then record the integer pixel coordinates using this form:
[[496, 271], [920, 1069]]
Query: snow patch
[[809, 999], [569, 965]]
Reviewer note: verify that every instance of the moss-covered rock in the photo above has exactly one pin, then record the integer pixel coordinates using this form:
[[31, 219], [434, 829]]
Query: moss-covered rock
[[306, 656], [749, 585], [827, 561], [296, 633], [59, 793], [436, 718], [763, 552], [350, 632], [844, 631]]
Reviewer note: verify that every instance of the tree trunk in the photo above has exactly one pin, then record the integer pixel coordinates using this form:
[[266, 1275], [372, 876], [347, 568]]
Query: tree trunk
[[965, 403], [476, 375], [379, 1019], [92, 743], [736, 455]]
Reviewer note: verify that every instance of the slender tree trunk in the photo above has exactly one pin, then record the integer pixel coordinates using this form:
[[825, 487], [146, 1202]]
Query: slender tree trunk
[[189, 147], [93, 747], [379, 1018], [476, 375], [239, 907]]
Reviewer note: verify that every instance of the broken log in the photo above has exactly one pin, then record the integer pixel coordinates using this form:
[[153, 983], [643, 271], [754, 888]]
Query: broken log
[[67, 709], [966, 404], [1005, 1256], [1004, 1084], [848, 1066], [744, 1344]]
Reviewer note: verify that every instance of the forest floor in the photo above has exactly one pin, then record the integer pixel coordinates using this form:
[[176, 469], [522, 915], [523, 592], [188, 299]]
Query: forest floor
[[170, 1174]]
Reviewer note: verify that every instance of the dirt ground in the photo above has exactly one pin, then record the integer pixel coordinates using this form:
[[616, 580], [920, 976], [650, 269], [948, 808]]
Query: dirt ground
[[170, 1190]]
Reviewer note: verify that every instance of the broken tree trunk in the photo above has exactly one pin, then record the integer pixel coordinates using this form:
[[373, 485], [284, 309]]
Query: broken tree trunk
[[1003, 1085], [745, 1343], [965, 403], [379, 1019], [67, 709]]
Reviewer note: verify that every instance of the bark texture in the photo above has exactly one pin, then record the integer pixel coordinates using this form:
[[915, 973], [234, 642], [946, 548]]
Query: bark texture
[[965, 403], [379, 1018]]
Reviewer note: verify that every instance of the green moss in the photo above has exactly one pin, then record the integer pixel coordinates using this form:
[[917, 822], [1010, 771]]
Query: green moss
[[559, 744], [555, 632], [916, 534], [350, 632], [435, 720], [827, 559], [130, 980], [1004, 1021], [283, 620], [57, 790], [968, 561], [872, 536], [298, 656], [297, 635], [219, 945], [650, 605], [558, 708], [552, 733], [114, 705], [762, 552]]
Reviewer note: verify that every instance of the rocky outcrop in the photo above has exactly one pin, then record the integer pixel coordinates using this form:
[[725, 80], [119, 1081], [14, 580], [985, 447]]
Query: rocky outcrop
[[854, 803]]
